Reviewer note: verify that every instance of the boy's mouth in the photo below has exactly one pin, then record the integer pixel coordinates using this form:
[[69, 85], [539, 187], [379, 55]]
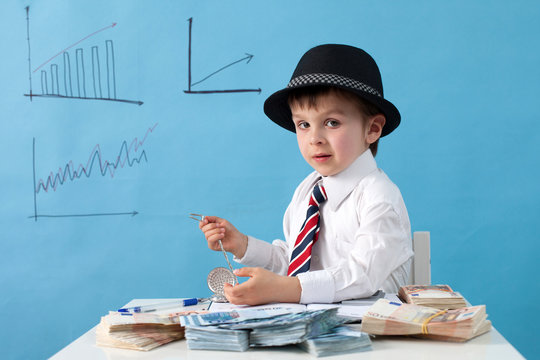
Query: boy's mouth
[[321, 157]]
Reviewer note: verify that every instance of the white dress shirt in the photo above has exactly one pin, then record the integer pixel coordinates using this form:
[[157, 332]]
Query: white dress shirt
[[364, 242]]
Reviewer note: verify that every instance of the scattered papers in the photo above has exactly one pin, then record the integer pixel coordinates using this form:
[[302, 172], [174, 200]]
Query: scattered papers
[[368, 301], [351, 310]]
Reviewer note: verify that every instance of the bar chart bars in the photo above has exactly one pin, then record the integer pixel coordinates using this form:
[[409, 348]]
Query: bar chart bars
[[76, 82], [88, 75]]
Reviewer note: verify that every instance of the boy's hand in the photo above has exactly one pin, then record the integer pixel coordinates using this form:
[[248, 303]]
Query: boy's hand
[[263, 287], [233, 241]]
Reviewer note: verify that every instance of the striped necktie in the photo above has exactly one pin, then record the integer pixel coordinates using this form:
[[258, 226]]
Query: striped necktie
[[309, 233]]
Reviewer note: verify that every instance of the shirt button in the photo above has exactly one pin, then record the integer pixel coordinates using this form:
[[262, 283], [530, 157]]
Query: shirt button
[[315, 258]]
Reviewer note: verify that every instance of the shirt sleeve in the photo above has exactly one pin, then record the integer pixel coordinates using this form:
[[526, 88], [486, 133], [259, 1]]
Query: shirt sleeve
[[272, 257]]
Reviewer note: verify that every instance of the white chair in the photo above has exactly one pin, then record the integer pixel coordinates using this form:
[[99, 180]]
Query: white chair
[[421, 266]]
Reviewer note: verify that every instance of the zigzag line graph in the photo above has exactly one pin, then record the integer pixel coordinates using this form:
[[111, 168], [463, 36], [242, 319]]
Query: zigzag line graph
[[128, 155], [68, 172]]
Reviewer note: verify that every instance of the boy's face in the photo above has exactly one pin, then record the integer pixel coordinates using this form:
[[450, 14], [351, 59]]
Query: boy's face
[[332, 135]]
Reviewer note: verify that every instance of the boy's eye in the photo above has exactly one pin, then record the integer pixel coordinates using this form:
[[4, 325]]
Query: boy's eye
[[303, 125], [332, 123]]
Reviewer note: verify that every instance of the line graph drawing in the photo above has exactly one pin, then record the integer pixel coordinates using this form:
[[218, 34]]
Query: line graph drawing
[[191, 84], [54, 90], [128, 155]]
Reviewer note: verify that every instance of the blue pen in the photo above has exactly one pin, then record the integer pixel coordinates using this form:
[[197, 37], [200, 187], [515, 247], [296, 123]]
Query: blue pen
[[159, 306]]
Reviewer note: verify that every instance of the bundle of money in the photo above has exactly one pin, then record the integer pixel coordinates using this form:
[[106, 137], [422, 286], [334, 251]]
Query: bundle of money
[[437, 296], [340, 340], [291, 328], [214, 338], [390, 318], [138, 331], [265, 327]]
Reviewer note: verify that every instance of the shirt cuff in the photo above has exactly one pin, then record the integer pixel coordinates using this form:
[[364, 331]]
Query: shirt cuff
[[317, 287], [257, 253]]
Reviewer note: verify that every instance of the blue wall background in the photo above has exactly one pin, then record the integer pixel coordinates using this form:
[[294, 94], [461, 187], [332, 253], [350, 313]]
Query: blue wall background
[[465, 76]]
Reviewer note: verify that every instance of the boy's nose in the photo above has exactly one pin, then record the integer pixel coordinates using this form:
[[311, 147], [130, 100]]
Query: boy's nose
[[317, 137]]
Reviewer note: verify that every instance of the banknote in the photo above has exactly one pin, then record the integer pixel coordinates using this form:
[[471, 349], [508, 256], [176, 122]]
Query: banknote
[[231, 316]]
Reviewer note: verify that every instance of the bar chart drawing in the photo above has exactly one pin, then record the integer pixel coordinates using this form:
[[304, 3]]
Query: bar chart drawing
[[224, 91], [74, 81]]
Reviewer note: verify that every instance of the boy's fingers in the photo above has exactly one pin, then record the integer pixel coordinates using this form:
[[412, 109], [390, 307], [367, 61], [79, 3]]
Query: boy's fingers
[[214, 234], [211, 226], [244, 272], [227, 292], [233, 291], [202, 223], [211, 219]]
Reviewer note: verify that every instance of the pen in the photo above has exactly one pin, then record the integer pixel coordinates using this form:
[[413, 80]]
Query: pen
[[159, 306]]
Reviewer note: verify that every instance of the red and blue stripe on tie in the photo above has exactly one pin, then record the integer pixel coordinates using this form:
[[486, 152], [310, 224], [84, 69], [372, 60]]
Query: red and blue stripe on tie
[[309, 233]]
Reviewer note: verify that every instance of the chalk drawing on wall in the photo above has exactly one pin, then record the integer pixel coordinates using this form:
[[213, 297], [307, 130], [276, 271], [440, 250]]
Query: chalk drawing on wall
[[129, 155], [76, 78], [247, 58]]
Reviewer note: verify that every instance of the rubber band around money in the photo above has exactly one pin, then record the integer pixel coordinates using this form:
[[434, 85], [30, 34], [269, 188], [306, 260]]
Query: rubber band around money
[[425, 323]]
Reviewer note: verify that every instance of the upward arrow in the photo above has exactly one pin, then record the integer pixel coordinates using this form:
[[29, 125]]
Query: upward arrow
[[72, 45], [248, 58]]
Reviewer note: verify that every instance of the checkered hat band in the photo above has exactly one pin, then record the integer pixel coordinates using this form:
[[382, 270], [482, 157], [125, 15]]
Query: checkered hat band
[[331, 79]]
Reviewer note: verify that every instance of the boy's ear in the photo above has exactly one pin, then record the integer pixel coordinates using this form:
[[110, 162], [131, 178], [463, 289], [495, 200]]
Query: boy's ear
[[375, 126]]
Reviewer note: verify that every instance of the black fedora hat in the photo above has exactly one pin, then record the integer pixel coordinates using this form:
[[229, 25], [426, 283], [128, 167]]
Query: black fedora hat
[[340, 66]]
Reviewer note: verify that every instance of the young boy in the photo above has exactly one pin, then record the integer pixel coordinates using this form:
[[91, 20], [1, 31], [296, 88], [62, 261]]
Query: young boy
[[347, 232]]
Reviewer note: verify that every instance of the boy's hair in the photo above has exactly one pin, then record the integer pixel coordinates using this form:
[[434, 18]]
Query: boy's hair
[[309, 96]]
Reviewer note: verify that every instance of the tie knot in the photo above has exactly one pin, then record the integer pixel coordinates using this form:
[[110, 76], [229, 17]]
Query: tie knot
[[319, 194]]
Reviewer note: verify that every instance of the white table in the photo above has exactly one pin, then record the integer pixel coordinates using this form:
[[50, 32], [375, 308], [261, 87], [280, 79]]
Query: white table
[[488, 346]]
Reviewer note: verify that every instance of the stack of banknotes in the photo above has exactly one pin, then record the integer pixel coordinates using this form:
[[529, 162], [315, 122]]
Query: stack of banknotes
[[390, 318], [139, 331], [257, 327], [340, 340], [437, 296], [215, 338]]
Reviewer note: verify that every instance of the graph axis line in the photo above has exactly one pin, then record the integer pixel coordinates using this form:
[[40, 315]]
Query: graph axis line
[[190, 84], [137, 102], [132, 213], [28, 41], [34, 173]]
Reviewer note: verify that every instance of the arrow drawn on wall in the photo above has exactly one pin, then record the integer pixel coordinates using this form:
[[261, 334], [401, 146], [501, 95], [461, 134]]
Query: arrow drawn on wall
[[190, 84], [248, 58], [72, 45]]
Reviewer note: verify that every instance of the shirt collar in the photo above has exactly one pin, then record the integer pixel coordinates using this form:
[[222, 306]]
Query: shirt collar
[[340, 185]]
